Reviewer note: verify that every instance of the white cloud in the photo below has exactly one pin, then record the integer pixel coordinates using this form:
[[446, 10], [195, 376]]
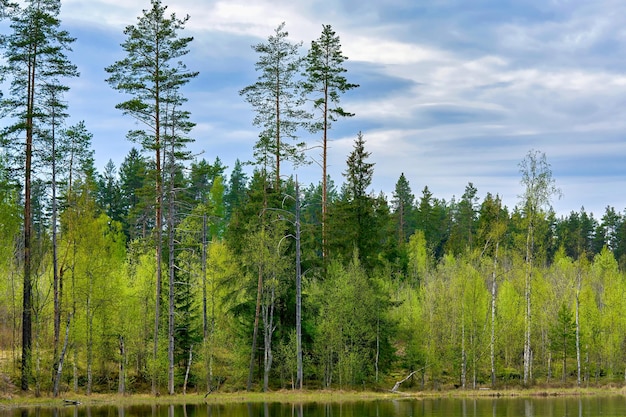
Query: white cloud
[[478, 94]]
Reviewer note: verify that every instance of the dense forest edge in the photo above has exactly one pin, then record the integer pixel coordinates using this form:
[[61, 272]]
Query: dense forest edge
[[171, 274]]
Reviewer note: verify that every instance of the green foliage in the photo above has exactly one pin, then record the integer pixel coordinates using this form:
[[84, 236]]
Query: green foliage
[[152, 72], [563, 336], [277, 102], [236, 193], [402, 205], [359, 220], [388, 288], [419, 258], [36, 48], [9, 213], [36, 61], [347, 325], [324, 78], [137, 194], [464, 225]]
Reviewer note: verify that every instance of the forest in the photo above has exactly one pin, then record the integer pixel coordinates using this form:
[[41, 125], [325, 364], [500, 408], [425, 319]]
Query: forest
[[174, 274]]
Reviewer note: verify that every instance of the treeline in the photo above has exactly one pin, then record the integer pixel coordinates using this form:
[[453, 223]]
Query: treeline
[[170, 273], [409, 286]]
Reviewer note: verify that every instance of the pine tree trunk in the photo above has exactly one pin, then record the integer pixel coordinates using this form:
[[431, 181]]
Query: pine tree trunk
[[158, 231], [27, 288], [324, 178], [205, 321], [377, 357], [55, 269], [299, 371], [171, 306]]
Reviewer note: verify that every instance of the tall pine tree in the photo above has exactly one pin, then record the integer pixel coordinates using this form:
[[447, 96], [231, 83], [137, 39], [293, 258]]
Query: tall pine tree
[[152, 74], [325, 83], [36, 60], [277, 102]]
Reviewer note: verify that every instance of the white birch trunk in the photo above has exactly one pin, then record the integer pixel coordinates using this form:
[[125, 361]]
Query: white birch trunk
[[493, 317], [463, 354], [578, 328], [527, 295], [188, 369], [59, 370]]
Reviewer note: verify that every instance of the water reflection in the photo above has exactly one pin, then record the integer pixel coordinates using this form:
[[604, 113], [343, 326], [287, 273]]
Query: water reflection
[[491, 407]]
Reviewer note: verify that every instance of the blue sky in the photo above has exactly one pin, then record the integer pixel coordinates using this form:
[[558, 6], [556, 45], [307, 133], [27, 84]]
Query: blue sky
[[452, 91]]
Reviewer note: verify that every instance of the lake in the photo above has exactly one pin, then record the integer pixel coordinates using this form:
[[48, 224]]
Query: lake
[[498, 407]]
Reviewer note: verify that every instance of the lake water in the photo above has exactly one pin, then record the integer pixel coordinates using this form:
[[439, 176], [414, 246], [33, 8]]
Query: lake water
[[501, 407]]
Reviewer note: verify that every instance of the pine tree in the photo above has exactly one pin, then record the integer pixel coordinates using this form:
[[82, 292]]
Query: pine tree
[[325, 83], [153, 74], [76, 146], [35, 56], [277, 103]]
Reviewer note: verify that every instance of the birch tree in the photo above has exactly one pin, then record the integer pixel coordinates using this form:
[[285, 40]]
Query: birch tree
[[491, 230], [265, 256], [539, 189]]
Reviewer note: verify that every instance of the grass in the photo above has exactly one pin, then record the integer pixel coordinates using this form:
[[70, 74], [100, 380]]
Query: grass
[[289, 396]]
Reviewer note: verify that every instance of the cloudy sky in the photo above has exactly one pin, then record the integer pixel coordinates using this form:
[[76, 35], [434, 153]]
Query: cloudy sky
[[451, 91]]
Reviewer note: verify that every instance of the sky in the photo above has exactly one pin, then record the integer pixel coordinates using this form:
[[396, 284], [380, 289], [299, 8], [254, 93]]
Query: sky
[[451, 91]]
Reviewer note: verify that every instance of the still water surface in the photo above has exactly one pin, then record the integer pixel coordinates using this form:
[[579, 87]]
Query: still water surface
[[502, 407]]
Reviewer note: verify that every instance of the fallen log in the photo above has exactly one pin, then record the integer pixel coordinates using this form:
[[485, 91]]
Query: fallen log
[[397, 385]]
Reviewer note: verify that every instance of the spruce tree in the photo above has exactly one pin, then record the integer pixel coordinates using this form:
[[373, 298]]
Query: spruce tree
[[563, 336], [359, 220], [136, 193], [236, 192], [403, 207]]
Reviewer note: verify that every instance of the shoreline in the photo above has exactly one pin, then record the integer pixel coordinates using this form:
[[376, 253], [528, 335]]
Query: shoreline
[[288, 396]]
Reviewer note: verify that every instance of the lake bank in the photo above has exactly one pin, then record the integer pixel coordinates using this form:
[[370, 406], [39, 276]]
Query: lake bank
[[288, 396]]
